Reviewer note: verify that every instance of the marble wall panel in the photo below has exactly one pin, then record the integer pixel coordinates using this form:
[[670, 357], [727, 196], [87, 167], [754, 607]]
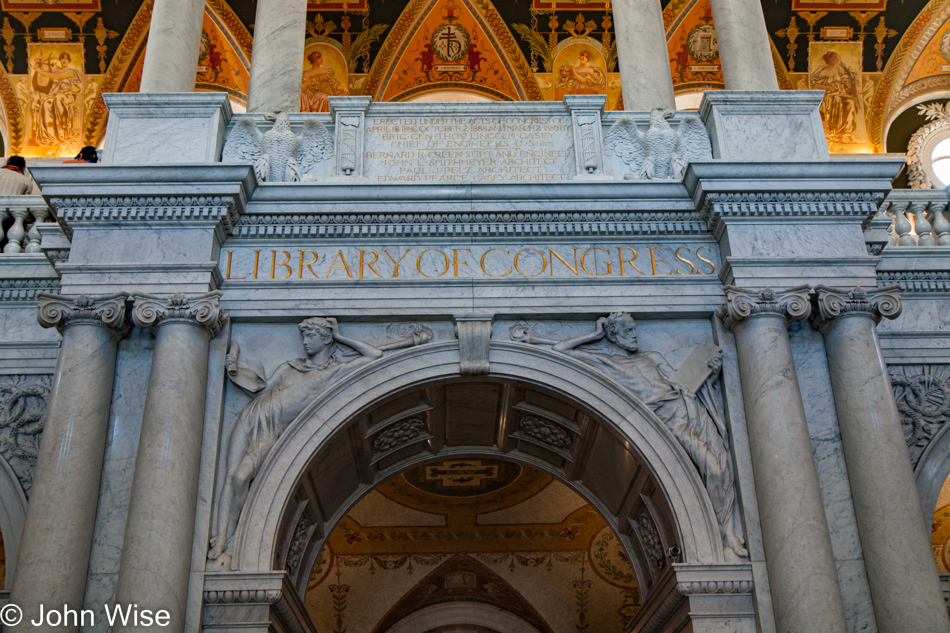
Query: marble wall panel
[[128, 404], [814, 379]]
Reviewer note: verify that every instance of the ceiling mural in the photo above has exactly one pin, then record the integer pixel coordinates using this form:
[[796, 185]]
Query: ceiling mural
[[477, 531], [874, 58]]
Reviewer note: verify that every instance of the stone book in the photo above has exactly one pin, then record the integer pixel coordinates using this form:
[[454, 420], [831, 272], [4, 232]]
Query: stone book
[[695, 370]]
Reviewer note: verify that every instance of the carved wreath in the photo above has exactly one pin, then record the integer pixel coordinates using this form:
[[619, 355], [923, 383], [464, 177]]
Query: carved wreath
[[923, 401]]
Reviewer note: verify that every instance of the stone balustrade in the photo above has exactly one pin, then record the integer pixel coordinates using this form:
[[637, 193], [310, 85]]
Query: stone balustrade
[[918, 217], [26, 212]]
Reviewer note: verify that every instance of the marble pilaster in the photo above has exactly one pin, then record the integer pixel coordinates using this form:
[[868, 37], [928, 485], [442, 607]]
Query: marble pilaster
[[57, 535], [905, 588], [171, 54], [156, 555], [277, 57], [799, 556], [642, 55], [744, 49]]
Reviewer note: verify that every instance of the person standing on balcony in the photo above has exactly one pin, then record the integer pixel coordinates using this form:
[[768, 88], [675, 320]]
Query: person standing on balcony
[[13, 179]]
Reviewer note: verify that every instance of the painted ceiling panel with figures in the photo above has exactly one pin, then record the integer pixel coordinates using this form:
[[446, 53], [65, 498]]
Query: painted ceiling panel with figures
[[856, 50]]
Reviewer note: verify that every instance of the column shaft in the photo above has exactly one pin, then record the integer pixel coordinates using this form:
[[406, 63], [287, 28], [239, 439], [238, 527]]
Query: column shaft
[[171, 53], [53, 560], [744, 49], [277, 58], [159, 531], [802, 575], [894, 530], [642, 55]]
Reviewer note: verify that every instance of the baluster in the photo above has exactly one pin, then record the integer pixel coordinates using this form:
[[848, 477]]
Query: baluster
[[33, 235], [941, 224], [4, 216], [884, 211], [922, 225], [904, 228], [17, 232]]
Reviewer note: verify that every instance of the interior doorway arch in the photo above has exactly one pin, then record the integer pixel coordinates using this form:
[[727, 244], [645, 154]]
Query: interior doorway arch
[[462, 614], [333, 453]]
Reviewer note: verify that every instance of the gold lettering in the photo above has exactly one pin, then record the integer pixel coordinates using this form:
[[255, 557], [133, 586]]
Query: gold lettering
[[370, 264], [432, 250], [544, 262], [712, 266], [584, 263], [553, 253], [227, 275], [455, 260], [654, 260], [343, 265], [630, 261], [692, 268], [307, 264], [257, 258], [274, 265], [396, 261], [485, 254]]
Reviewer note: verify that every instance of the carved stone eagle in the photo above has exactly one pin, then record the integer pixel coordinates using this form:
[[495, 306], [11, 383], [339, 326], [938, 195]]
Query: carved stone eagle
[[279, 155], [661, 151]]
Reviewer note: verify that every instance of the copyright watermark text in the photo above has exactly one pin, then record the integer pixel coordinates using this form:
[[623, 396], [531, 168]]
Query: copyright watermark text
[[124, 615]]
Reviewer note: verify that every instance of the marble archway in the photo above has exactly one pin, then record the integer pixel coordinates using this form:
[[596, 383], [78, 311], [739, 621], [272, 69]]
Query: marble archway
[[639, 463]]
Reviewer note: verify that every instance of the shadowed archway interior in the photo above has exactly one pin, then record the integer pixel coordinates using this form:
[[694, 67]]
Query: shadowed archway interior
[[486, 479]]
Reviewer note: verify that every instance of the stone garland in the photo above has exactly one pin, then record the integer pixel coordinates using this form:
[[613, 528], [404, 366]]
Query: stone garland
[[23, 403], [922, 393]]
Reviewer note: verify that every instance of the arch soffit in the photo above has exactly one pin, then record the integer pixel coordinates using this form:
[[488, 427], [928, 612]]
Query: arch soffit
[[416, 11], [471, 613], [888, 101], [258, 531]]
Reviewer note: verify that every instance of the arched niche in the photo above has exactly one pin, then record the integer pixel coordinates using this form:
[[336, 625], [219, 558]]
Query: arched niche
[[325, 461]]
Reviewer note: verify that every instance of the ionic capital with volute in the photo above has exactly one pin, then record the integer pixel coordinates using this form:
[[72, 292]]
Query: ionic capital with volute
[[791, 305], [200, 310], [62, 311], [873, 303]]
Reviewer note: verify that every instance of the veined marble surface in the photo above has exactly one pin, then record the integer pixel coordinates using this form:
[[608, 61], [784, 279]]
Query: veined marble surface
[[814, 381], [128, 402]]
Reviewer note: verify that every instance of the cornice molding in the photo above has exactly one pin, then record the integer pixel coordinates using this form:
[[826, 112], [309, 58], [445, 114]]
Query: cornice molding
[[717, 207], [73, 210]]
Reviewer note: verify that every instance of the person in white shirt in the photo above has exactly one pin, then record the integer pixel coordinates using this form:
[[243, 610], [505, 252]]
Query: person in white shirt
[[13, 180]]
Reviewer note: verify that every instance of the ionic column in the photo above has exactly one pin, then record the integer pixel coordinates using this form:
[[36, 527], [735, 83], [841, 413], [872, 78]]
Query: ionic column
[[895, 533], [53, 560], [642, 55], [156, 553], [174, 40], [744, 49], [798, 555], [277, 57]]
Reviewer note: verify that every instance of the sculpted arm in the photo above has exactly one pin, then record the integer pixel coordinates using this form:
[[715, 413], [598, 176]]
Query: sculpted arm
[[364, 348], [569, 346]]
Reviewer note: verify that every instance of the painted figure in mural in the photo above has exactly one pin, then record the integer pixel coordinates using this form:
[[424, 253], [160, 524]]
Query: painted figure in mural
[[279, 400], [426, 57], [840, 107], [475, 58], [692, 413], [318, 84], [582, 77], [55, 87]]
